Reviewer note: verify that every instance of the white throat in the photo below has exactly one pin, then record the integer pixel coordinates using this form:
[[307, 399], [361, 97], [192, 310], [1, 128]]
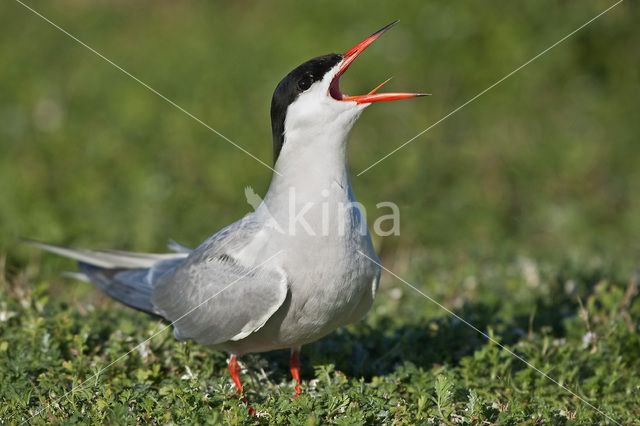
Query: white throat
[[313, 157]]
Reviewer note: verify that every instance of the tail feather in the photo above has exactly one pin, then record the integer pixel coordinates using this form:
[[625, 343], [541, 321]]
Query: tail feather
[[76, 276], [125, 276], [109, 258], [177, 247], [127, 286]]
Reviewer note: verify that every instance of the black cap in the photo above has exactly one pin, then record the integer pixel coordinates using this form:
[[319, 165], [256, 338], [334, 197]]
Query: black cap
[[287, 91]]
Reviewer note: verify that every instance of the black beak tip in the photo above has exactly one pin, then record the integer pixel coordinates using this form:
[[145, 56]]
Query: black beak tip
[[386, 27]]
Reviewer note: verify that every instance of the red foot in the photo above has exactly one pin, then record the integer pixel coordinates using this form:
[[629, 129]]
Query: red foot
[[234, 369], [251, 410], [294, 363]]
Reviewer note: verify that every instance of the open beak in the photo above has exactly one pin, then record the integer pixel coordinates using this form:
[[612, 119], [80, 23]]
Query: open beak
[[349, 57]]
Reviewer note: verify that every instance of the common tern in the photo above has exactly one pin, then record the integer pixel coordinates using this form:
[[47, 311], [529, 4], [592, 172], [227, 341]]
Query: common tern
[[290, 272]]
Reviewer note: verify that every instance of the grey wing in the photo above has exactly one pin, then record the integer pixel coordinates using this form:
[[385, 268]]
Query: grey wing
[[212, 297], [219, 300]]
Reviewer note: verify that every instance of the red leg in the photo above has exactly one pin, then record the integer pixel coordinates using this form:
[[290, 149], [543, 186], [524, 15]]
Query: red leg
[[234, 369], [294, 363]]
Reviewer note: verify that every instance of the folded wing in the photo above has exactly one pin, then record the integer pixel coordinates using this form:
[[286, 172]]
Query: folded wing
[[216, 299]]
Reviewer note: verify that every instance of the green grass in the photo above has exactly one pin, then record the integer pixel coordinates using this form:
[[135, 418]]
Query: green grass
[[520, 212], [407, 363]]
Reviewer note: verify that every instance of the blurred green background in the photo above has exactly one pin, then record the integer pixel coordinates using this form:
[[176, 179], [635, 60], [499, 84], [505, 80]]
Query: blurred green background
[[521, 212], [546, 164]]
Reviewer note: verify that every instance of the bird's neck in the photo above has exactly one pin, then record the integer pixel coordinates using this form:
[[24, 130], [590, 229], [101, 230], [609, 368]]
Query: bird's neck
[[310, 196], [311, 166]]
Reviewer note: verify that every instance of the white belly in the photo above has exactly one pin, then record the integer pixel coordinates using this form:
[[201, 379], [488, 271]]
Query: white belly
[[335, 286]]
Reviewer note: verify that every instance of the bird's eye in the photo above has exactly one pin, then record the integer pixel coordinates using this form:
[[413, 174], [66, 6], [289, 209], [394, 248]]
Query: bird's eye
[[305, 82]]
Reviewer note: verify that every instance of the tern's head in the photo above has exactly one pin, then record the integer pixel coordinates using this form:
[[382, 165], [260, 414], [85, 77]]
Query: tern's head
[[308, 104]]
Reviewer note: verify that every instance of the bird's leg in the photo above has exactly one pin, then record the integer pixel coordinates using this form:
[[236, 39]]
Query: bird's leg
[[294, 363], [234, 369]]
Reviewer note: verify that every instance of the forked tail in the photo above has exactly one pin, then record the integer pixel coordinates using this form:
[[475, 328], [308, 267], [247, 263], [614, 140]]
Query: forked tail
[[125, 276]]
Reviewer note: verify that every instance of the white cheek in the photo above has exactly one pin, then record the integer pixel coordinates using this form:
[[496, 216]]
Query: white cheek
[[315, 109], [306, 111]]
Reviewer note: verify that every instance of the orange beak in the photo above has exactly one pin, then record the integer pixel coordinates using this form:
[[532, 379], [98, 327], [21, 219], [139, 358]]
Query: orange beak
[[349, 57]]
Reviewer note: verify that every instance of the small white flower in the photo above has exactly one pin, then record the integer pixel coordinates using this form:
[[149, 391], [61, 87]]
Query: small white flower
[[588, 338]]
